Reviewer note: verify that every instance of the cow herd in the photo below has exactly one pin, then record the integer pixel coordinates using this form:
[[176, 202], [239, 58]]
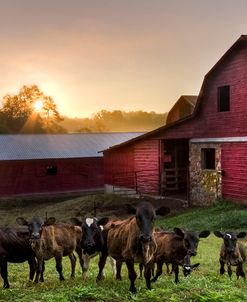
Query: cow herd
[[132, 240]]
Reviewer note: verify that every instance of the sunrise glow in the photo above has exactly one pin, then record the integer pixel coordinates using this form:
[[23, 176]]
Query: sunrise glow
[[38, 105]]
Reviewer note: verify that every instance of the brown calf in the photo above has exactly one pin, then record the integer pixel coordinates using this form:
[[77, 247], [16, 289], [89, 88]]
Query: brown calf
[[48, 241], [175, 248], [231, 253], [132, 241]]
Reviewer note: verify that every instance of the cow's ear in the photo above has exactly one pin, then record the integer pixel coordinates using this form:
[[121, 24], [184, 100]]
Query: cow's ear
[[103, 221], [130, 209], [218, 234], [75, 221], [204, 234], [162, 211], [179, 232], [241, 235], [21, 221], [50, 221], [195, 265]]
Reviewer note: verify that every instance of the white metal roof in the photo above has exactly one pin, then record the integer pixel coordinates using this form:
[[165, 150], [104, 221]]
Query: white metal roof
[[42, 146]]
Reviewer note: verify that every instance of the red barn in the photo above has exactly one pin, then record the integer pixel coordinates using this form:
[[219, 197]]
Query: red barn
[[205, 152], [45, 164]]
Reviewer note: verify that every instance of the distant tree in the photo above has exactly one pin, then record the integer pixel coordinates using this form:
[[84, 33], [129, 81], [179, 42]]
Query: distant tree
[[117, 120], [21, 115]]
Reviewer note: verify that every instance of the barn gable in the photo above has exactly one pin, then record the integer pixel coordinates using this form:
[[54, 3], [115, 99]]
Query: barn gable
[[184, 107]]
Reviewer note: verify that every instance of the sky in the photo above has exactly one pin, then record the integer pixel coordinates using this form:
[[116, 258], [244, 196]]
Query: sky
[[114, 54]]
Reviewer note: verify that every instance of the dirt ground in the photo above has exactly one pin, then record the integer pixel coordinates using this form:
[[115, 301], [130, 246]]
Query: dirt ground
[[99, 205]]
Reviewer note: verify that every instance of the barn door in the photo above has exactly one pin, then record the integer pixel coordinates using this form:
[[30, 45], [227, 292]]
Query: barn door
[[174, 175]]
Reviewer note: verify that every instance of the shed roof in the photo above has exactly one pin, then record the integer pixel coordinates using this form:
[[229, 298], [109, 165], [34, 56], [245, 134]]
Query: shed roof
[[46, 146]]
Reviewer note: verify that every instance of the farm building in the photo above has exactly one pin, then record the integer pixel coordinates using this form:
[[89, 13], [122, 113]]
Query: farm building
[[184, 106], [203, 154], [45, 164]]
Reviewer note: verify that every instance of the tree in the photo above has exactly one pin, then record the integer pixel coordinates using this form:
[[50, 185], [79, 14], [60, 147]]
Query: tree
[[19, 114]]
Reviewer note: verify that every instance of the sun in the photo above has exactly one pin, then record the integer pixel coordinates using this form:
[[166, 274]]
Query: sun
[[38, 105]]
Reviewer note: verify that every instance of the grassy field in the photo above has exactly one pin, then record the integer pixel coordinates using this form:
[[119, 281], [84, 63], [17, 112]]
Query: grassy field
[[205, 284]]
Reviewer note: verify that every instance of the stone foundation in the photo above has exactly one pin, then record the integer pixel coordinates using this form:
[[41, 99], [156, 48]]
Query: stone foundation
[[205, 185]]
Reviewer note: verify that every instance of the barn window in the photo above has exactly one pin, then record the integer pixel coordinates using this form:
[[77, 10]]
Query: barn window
[[208, 158], [224, 98], [51, 170]]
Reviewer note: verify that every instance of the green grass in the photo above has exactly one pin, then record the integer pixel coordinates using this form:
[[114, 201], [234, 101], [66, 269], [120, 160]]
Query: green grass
[[204, 285], [222, 216]]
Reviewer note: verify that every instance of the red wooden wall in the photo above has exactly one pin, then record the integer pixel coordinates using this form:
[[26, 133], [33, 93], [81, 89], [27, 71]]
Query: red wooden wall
[[116, 162], [147, 165], [141, 158], [234, 178], [29, 176]]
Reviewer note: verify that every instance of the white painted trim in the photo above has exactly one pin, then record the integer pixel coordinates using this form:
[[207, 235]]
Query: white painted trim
[[238, 139]]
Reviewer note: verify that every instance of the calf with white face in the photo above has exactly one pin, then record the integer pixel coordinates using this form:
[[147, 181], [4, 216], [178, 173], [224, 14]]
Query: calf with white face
[[231, 253], [92, 241]]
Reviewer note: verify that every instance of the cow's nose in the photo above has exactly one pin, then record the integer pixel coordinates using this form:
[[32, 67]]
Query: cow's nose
[[35, 236], [192, 253], [90, 244], [145, 238]]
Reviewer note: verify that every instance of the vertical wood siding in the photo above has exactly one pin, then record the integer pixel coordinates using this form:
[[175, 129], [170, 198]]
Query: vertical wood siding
[[234, 178], [29, 176], [118, 161], [141, 158], [147, 166]]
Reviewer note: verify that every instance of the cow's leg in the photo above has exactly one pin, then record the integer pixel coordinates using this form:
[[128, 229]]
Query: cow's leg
[[158, 271], [168, 271], [132, 275], [79, 253], [113, 263], [32, 268], [86, 261], [229, 270], [222, 267], [39, 270], [72, 259], [41, 279], [4, 273], [59, 267], [101, 265], [240, 272], [141, 265], [175, 268], [118, 266], [147, 274]]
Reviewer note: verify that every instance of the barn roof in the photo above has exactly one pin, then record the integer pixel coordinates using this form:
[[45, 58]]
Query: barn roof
[[241, 42], [190, 99], [46, 146]]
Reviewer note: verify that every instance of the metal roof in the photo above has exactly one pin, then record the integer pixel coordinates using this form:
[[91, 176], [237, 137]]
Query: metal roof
[[45, 146]]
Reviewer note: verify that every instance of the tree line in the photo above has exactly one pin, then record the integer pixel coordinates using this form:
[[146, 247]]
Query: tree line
[[31, 111]]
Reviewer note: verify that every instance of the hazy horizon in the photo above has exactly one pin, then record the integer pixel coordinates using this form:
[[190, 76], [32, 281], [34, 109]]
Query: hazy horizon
[[114, 54]]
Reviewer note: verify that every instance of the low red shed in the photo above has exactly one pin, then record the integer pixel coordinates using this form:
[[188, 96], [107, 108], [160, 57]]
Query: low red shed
[[44, 164]]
